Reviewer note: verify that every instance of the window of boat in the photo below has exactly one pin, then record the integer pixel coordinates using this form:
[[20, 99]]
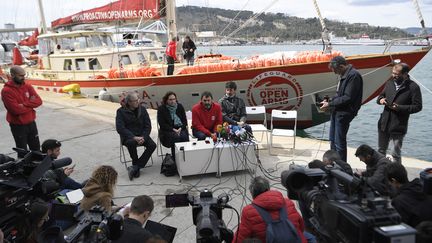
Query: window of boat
[[125, 59], [94, 64], [44, 47], [80, 42], [153, 56], [67, 64], [107, 41], [96, 40], [80, 64], [141, 58]]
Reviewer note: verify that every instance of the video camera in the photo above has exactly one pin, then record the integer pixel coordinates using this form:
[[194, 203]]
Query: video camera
[[337, 216], [96, 225], [21, 181], [206, 215]]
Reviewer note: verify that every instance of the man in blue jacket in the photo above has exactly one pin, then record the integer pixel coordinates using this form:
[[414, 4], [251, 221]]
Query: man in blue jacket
[[134, 126], [344, 105]]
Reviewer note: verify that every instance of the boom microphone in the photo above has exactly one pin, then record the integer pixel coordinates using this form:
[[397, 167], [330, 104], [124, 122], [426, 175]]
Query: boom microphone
[[59, 163]]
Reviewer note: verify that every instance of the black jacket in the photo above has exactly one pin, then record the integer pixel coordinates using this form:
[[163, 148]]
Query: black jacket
[[233, 109], [166, 123], [375, 173], [133, 232], [186, 48], [129, 125], [350, 93], [409, 101], [413, 205], [344, 166]]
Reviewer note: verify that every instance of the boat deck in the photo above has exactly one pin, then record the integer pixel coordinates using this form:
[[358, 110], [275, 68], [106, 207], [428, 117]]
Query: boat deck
[[86, 128]]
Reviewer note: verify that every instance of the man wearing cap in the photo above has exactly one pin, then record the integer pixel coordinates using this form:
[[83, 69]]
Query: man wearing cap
[[233, 107], [344, 105], [20, 99], [51, 147]]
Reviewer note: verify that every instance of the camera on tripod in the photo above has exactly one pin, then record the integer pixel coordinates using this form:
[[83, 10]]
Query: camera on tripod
[[338, 216], [206, 215]]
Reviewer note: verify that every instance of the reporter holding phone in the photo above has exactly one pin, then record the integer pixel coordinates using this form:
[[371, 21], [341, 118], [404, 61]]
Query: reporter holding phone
[[51, 147]]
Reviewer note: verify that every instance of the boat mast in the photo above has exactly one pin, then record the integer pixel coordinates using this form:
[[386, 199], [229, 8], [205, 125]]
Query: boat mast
[[420, 16], [325, 33], [171, 19], [42, 16]]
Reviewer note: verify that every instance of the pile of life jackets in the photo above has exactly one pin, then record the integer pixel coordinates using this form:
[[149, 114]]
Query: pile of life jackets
[[215, 63], [125, 73]]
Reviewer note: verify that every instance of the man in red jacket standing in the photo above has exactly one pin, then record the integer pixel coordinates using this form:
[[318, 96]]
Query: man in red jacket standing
[[20, 100], [252, 224], [206, 115], [171, 56]]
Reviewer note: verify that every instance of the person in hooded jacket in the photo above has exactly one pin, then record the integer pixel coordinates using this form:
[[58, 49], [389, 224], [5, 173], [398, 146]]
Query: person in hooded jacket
[[401, 97], [413, 205], [251, 223], [20, 99], [99, 189], [189, 50]]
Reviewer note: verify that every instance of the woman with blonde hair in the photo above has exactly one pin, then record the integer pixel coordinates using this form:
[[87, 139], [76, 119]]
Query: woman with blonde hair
[[99, 189]]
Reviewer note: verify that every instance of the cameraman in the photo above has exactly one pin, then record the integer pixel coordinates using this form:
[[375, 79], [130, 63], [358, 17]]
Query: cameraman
[[31, 226], [331, 157], [51, 147], [375, 169], [133, 230], [253, 225], [413, 205]]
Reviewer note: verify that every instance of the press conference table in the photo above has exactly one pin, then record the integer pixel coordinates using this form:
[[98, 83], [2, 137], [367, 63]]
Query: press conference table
[[202, 157]]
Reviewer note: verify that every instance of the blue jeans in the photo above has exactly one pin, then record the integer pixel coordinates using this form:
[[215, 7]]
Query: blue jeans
[[339, 125], [71, 184], [198, 134]]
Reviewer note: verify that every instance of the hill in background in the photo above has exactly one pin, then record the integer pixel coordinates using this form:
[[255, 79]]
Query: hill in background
[[280, 27]]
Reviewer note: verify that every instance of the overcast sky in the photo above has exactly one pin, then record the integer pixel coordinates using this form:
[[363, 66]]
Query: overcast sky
[[397, 13]]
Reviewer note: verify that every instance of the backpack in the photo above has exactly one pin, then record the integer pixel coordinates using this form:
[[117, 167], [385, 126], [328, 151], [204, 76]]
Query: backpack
[[280, 230], [168, 167]]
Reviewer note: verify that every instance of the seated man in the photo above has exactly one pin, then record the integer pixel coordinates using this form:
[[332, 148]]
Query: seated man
[[139, 212], [134, 126], [51, 148], [375, 168], [252, 225], [233, 107], [206, 115], [413, 205]]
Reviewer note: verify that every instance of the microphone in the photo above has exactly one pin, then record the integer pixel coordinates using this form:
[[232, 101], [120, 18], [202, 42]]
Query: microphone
[[58, 163]]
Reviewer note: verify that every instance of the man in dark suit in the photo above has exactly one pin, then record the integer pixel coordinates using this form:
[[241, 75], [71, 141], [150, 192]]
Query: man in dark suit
[[134, 126], [133, 231]]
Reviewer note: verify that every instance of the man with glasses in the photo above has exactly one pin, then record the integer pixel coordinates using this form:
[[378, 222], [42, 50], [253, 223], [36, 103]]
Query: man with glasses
[[344, 105], [401, 97], [20, 99], [134, 126]]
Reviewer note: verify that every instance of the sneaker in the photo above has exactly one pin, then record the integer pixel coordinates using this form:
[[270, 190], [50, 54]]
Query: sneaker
[[137, 173], [131, 172]]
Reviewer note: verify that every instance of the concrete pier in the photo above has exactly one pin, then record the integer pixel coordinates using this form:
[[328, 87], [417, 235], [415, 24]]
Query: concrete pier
[[86, 129]]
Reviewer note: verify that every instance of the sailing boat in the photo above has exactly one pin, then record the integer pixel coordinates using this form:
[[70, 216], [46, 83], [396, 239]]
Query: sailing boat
[[291, 81]]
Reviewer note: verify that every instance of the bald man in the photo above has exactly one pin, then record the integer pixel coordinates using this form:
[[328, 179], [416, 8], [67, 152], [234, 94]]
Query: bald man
[[20, 100]]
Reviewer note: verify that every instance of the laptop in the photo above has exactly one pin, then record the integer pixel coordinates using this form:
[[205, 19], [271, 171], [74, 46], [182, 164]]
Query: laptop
[[165, 231], [75, 196]]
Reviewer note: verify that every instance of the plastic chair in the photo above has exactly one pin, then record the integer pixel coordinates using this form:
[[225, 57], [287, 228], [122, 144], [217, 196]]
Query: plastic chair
[[283, 115], [124, 160], [258, 110]]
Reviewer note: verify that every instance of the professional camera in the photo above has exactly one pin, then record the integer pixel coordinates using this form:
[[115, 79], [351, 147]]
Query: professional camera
[[337, 216], [96, 225], [206, 215], [20, 183]]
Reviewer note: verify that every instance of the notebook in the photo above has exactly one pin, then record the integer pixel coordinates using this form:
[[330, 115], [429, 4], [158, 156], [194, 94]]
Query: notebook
[[165, 231], [75, 196]]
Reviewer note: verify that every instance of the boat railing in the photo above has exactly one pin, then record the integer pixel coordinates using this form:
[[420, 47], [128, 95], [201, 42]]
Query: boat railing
[[398, 40]]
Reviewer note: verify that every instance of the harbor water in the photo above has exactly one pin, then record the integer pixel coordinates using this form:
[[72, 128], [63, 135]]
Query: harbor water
[[363, 129]]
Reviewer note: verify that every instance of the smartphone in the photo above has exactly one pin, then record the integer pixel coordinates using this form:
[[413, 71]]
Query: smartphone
[[176, 200]]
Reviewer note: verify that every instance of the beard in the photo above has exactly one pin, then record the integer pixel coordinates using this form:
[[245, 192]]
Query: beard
[[18, 80], [398, 80]]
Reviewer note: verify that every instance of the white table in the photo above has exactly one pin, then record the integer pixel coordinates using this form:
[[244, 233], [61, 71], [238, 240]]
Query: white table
[[199, 157]]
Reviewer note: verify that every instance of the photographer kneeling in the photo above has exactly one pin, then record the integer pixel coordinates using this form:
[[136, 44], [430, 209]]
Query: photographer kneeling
[[139, 212]]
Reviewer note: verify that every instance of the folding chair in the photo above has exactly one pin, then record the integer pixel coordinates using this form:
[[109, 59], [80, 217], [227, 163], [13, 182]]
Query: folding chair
[[258, 110], [160, 147], [283, 115], [124, 160]]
